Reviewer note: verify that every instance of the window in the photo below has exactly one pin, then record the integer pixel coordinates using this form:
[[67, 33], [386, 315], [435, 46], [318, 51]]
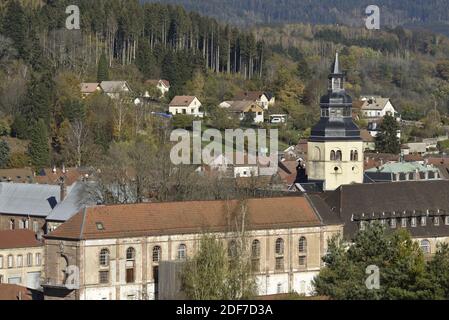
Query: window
[[332, 155], [302, 245], [255, 256], [130, 254], [35, 226], [425, 246], [12, 224], [404, 222], [446, 220], [104, 258], [255, 249], [279, 246], [29, 260], [280, 288], [338, 156], [362, 225], [157, 253], [302, 261], [382, 222], [37, 259], [413, 222], [436, 221], [182, 252], [423, 221], [393, 223], [104, 276], [355, 156], [1, 262], [279, 264], [317, 153], [19, 261], [21, 224], [130, 275]]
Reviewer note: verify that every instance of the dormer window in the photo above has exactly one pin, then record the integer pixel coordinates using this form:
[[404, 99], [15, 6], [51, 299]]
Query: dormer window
[[423, 221]]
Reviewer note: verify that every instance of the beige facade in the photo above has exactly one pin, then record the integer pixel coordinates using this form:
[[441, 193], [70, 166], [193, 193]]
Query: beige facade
[[335, 162], [132, 276], [22, 266]]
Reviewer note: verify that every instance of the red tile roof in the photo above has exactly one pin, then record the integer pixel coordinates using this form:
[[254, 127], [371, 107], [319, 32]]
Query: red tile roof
[[10, 239], [248, 96], [166, 218], [14, 292], [182, 101]]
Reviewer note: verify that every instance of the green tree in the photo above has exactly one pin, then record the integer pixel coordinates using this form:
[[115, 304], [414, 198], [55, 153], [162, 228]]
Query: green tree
[[19, 128], [438, 271], [4, 153], [14, 25], [103, 69], [39, 147], [387, 140], [399, 259], [215, 274]]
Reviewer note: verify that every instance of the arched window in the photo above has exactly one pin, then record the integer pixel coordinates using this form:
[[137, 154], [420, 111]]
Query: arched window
[[232, 249], [279, 246], [317, 153], [255, 249], [104, 257], [157, 251], [425, 246], [338, 156], [302, 245], [356, 155], [352, 155], [130, 254], [332, 155], [182, 252], [12, 224]]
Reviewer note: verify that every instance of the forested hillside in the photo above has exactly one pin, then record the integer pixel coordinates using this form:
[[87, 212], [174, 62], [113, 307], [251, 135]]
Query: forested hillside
[[347, 12], [42, 65]]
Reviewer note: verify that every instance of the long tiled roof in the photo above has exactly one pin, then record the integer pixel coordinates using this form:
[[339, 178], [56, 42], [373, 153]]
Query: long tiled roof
[[24, 238], [119, 221]]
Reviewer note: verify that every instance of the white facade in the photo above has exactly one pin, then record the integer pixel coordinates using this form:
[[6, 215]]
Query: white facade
[[193, 108]]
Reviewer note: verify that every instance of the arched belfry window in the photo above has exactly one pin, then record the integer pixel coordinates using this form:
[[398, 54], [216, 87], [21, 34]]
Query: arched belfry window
[[338, 155], [332, 155], [317, 153], [356, 156]]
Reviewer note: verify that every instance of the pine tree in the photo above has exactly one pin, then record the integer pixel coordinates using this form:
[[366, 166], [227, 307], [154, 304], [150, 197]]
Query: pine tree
[[103, 69], [39, 148], [14, 26], [4, 153], [387, 140]]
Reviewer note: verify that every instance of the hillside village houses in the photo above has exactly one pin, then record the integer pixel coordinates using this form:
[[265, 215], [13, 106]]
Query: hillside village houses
[[330, 186], [188, 105]]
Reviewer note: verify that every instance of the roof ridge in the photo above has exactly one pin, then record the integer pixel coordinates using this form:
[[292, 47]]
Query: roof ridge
[[83, 222]]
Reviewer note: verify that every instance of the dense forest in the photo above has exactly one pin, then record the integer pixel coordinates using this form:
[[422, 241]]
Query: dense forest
[[346, 12], [42, 65]]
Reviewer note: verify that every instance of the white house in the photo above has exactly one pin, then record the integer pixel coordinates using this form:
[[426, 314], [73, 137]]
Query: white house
[[189, 105], [162, 85], [242, 108], [375, 107], [260, 98], [114, 89], [88, 88]]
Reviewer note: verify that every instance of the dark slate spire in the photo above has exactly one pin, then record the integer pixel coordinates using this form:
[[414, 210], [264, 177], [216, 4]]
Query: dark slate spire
[[336, 111]]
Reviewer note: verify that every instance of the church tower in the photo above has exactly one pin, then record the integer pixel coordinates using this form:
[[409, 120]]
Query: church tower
[[335, 149]]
